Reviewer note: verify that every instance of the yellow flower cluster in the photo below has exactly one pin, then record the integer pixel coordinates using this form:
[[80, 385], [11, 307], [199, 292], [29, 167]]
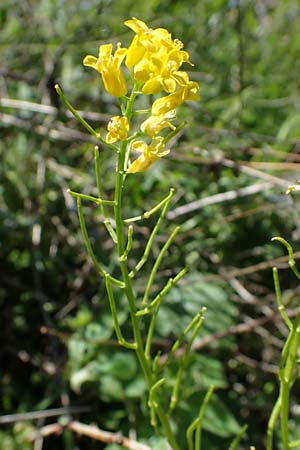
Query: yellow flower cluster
[[154, 60]]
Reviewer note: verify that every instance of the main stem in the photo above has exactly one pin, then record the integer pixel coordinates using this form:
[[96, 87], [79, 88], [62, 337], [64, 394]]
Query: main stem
[[123, 263], [121, 246]]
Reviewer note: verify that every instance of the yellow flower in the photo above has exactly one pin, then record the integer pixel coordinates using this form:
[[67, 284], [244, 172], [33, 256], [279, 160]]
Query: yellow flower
[[164, 73], [117, 129], [165, 104], [146, 39], [154, 124], [149, 154], [108, 66], [156, 58]]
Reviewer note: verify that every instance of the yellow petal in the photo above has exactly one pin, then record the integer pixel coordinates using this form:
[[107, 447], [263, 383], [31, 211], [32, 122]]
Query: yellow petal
[[135, 52], [154, 124], [165, 104], [169, 85], [141, 164], [119, 55], [139, 146], [136, 25], [114, 83], [105, 52], [182, 78], [153, 86], [90, 61]]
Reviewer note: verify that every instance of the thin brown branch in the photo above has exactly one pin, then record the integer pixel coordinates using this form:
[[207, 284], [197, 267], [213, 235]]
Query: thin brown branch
[[48, 430], [250, 362], [93, 432], [106, 436]]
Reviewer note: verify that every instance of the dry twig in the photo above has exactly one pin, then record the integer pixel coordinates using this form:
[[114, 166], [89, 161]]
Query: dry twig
[[93, 432]]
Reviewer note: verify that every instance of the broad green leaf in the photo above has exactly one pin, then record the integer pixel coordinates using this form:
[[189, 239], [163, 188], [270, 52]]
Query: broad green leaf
[[122, 366], [218, 418], [208, 371], [110, 388]]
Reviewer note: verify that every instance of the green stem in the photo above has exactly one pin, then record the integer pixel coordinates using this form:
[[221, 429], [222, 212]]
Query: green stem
[[167, 427], [289, 248], [157, 264], [123, 261], [114, 313], [183, 362], [83, 122], [153, 234], [107, 222], [149, 213], [281, 307], [179, 341], [152, 403], [151, 332], [120, 177], [198, 436], [128, 245], [155, 408], [197, 423], [171, 282], [284, 413], [90, 251], [272, 423], [90, 198], [234, 444], [174, 132]]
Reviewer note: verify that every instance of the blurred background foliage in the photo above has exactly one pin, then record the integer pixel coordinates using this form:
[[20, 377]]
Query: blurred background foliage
[[230, 168]]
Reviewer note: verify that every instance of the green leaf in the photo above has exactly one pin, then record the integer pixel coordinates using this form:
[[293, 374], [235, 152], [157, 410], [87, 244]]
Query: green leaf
[[110, 389], [208, 371], [137, 387], [82, 318], [168, 322], [192, 294], [219, 420], [97, 333], [122, 366]]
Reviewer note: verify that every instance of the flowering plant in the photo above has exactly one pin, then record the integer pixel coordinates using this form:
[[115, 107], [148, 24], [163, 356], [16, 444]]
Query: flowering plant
[[153, 63]]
